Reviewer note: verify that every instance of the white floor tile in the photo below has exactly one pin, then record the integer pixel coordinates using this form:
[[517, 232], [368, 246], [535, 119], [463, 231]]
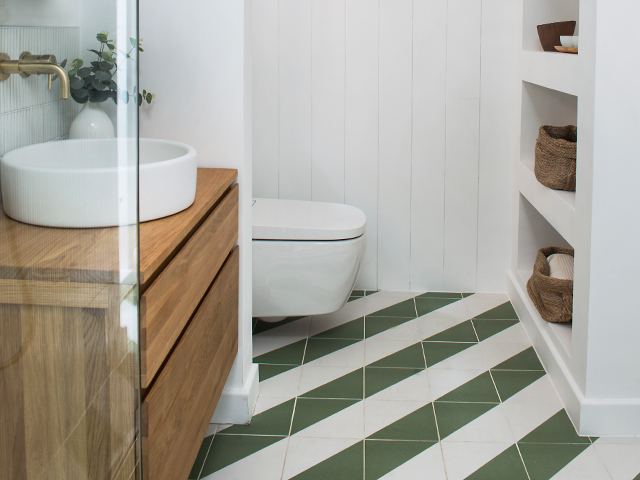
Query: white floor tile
[[351, 311], [622, 460], [413, 389], [266, 344], [314, 376], [380, 300], [471, 358], [409, 331], [490, 427], [586, 466], [375, 349], [351, 356], [347, 423], [429, 465], [267, 403], [454, 311], [284, 384], [430, 326], [265, 464], [619, 440], [444, 381], [495, 352], [303, 453], [513, 334], [463, 458], [482, 302], [379, 414]]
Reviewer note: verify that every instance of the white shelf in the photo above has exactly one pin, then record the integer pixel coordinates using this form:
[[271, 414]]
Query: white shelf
[[556, 71], [556, 206], [559, 334]]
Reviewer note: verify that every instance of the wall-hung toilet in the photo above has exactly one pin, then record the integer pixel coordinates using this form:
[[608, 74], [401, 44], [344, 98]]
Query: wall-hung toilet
[[306, 256]]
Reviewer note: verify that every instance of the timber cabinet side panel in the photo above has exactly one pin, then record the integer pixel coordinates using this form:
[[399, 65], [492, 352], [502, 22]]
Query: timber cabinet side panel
[[180, 404], [169, 303]]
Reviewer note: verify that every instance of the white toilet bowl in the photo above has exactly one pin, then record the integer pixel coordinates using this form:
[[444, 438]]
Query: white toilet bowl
[[306, 256]]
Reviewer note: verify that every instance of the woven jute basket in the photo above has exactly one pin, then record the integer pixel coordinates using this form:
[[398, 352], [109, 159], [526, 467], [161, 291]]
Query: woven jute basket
[[556, 157], [552, 297]]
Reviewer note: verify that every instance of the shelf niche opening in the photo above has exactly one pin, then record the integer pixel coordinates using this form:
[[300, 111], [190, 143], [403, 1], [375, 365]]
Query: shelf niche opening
[[540, 12]]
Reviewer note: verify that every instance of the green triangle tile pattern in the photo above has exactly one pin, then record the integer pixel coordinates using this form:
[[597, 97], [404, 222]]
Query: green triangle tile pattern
[[353, 330], [455, 295], [202, 455], [313, 410], [463, 332], [465, 295], [428, 305], [406, 309], [506, 466], [479, 390], [288, 355], [637, 477], [357, 293], [267, 371], [488, 328], [410, 357], [558, 429], [525, 360], [454, 416], [376, 325], [370, 292], [228, 449], [319, 347], [435, 352], [351, 299], [418, 426], [348, 464], [381, 457], [544, 460], [378, 379], [349, 386], [261, 326], [501, 312], [275, 421], [510, 382]]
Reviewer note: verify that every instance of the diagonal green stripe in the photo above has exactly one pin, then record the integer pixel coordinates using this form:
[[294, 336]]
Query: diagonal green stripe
[[419, 426], [462, 332], [558, 429], [479, 390], [378, 379], [455, 295], [410, 357], [348, 464], [357, 293], [313, 410], [376, 325], [435, 352], [348, 386], [506, 466], [453, 416], [319, 347], [228, 449], [543, 461], [488, 328], [382, 457], [202, 455], [525, 360], [428, 305], [275, 421], [287, 355], [350, 330], [501, 312], [405, 309], [267, 371], [510, 382]]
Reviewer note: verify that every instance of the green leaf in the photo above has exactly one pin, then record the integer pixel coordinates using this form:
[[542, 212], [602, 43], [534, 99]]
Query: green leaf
[[149, 98], [113, 85], [79, 63], [101, 37], [76, 83], [134, 42], [84, 72], [64, 63], [99, 97], [98, 85], [106, 55], [111, 46], [94, 51], [125, 96], [139, 99], [103, 76], [84, 99], [140, 49], [82, 93], [104, 66], [72, 72]]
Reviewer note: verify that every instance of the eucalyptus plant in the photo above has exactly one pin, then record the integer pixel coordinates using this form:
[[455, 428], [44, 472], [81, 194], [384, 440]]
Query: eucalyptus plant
[[95, 83]]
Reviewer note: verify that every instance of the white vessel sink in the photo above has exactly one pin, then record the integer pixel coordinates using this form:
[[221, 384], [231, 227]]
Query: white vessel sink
[[93, 182]]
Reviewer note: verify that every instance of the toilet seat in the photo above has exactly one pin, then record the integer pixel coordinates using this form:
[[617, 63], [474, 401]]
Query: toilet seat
[[303, 220]]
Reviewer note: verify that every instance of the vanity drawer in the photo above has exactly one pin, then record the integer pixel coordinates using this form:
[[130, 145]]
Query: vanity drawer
[[171, 300], [179, 407]]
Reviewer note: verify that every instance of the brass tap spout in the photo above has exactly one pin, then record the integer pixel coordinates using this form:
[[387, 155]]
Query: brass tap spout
[[35, 65]]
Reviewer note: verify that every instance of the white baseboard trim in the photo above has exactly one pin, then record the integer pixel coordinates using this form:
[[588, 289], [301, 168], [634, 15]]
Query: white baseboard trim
[[236, 405]]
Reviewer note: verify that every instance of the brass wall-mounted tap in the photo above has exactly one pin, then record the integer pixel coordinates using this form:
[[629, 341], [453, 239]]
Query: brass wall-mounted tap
[[29, 65]]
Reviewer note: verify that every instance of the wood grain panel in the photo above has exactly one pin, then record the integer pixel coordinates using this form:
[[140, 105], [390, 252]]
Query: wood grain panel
[[167, 306], [177, 411]]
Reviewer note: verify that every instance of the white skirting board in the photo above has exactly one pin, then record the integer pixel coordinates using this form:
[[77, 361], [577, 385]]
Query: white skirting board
[[592, 417], [236, 405]]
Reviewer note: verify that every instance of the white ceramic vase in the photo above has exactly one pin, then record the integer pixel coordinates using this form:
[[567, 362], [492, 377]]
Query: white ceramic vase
[[92, 122]]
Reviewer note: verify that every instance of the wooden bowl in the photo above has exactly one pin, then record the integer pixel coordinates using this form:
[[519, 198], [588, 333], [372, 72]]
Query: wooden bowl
[[550, 34]]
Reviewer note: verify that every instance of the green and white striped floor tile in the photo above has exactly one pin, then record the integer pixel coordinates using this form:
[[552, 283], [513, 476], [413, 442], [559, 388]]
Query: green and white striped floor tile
[[407, 386]]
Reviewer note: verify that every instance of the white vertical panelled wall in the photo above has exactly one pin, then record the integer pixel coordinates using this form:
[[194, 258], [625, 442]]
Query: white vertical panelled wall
[[377, 104]]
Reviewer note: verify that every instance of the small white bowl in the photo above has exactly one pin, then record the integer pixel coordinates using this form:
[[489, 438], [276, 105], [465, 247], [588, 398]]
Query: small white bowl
[[566, 41]]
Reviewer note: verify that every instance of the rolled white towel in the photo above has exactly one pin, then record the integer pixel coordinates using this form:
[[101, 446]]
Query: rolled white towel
[[561, 266]]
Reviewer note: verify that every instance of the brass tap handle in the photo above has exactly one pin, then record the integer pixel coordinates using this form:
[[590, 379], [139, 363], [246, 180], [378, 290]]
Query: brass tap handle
[[35, 64]]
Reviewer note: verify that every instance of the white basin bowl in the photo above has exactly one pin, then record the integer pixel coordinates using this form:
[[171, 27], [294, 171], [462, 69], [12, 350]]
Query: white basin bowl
[[93, 182]]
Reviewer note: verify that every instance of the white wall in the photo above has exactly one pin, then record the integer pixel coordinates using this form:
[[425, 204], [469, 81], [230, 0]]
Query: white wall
[[197, 60], [377, 104]]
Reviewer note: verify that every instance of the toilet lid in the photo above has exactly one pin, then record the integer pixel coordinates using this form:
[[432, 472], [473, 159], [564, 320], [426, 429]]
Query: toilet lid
[[301, 220]]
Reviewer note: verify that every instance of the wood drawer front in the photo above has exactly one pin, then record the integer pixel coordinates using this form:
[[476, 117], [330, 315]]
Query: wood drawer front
[[179, 407], [170, 301]]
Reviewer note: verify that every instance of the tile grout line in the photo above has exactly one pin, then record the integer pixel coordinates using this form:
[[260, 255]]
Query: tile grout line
[[207, 455]]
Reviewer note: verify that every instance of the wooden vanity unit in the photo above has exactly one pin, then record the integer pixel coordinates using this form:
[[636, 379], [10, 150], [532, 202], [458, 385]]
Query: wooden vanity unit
[[68, 369]]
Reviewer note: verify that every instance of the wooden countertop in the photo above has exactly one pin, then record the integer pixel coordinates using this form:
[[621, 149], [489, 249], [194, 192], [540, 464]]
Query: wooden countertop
[[91, 255]]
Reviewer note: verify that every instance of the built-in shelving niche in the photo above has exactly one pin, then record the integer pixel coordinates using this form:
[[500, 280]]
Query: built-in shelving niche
[[539, 12], [534, 233]]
